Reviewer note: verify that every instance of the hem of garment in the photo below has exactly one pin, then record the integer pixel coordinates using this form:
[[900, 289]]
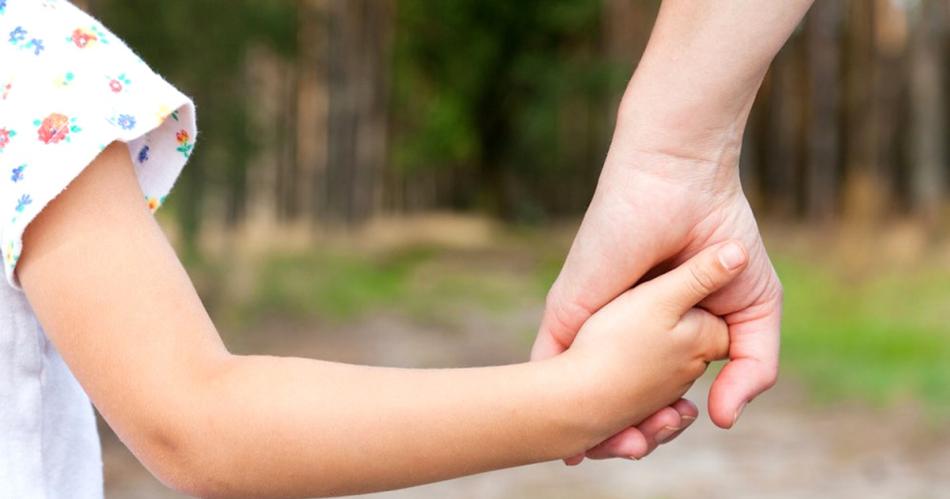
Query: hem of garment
[[12, 242]]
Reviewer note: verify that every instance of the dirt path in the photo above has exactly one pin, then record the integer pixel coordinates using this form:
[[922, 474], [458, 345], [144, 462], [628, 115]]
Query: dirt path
[[783, 447]]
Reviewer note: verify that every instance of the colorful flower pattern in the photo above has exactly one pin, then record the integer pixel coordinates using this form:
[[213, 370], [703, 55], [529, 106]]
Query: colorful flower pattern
[[5, 136], [84, 37], [20, 38], [67, 130], [55, 128], [65, 79], [184, 142], [117, 84], [17, 173], [23, 202], [143, 153], [154, 203]]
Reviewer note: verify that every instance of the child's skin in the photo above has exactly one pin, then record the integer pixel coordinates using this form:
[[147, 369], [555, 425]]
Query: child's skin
[[114, 299]]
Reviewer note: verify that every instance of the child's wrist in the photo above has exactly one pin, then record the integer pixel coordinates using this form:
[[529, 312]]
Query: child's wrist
[[592, 407]]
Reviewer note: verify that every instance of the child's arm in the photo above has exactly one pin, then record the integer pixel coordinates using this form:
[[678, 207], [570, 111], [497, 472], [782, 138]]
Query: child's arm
[[114, 299]]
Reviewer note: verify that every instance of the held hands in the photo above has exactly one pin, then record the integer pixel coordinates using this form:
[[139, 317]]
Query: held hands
[[643, 350], [655, 207]]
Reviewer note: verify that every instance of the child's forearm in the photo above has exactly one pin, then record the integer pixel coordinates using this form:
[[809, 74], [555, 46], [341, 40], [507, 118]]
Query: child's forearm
[[272, 426], [117, 304], [120, 309]]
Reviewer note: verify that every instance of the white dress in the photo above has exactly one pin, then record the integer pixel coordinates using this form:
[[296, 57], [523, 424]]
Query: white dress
[[68, 88]]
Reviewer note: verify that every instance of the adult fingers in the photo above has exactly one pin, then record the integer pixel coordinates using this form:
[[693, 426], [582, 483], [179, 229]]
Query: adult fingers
[[638, 441], [752, 368]]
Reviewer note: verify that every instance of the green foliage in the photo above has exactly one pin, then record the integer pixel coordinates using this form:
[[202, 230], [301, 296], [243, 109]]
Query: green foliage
[[488, 87]]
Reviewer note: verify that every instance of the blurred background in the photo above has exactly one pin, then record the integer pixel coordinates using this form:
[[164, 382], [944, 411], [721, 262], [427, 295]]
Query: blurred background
[[397, 182]]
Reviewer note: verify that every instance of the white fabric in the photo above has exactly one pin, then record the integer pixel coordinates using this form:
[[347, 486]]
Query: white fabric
[[68, 88]]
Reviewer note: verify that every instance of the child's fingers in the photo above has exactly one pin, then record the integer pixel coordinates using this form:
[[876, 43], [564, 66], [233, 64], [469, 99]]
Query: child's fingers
[[710, 331], [700, 276]]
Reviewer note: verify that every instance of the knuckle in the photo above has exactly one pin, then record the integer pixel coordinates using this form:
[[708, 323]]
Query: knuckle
[[565, 315], [690, 325], [699, 368], [769, 378], [702, 280], [711, 336]]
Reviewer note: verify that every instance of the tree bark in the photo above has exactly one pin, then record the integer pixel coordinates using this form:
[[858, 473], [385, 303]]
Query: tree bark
[[928, 125], [782, 172], [360, 43], [313, 100], [822, 31], [861, 161]]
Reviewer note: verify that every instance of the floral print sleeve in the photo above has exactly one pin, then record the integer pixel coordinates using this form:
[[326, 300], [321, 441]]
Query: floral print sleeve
[[69, 88]]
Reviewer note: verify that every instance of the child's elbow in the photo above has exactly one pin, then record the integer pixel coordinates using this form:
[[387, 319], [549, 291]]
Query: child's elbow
[[180, 462], [177, 443]]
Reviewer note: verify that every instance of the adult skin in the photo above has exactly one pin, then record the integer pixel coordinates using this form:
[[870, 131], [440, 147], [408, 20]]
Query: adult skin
[[670, 187]]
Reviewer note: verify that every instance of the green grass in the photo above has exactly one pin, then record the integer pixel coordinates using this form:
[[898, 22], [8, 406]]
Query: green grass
[[332, 285], [422, 283], [881, 339]]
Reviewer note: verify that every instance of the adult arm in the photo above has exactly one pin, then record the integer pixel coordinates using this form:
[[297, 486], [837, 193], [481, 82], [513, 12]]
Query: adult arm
[[670, 186]]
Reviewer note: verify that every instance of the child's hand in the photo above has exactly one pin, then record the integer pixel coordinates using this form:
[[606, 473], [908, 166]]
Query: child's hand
[[643, 350]]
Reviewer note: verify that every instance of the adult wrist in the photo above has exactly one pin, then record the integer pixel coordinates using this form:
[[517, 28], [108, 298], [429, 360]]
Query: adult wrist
[[701, 123], [677, 130]]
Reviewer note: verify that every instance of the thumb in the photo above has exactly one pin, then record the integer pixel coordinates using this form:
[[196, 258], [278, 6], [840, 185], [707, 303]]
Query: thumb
[[702, 275], [562, 319]]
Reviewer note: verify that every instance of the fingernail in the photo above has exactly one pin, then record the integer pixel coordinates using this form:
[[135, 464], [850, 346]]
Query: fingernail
[[665, 434], [735, 419], [731, 256], [633, 458]]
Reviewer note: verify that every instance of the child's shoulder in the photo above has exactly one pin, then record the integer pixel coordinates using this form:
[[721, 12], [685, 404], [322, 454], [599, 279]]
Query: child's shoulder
[[69, 87]]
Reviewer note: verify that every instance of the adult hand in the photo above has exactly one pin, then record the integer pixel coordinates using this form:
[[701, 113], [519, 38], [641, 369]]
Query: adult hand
[[656, 209], [670, 187]]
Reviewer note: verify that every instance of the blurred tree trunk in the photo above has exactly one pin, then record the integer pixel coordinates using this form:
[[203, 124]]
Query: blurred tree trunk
[[270, 80], [753, 149], [782, 179], [312, 103], [927, 131], [860, 150], [890, 85], [626, 29], [288, 206], [822, 31], [359, 61]]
